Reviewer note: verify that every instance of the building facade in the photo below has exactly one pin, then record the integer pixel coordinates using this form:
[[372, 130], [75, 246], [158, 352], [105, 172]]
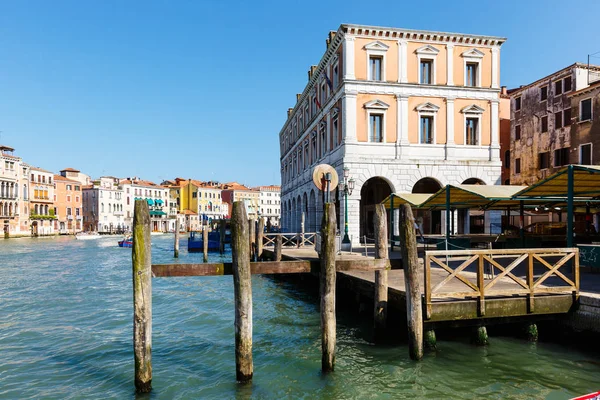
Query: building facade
[[157, 197], [542, 121], [404, 110], [67, 205], [270, 203], [11, 195], [104, 206], [585, 129], [234, 191], [41, 202]]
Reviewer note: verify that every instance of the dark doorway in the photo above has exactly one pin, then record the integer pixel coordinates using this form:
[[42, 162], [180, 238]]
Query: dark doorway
[[373, 192]]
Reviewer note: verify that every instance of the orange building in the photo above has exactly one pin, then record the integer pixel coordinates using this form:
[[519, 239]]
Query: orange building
[[67, 205]]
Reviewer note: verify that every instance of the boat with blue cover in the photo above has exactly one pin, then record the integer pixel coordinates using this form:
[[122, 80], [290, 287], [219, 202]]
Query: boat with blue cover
[[196, 243]]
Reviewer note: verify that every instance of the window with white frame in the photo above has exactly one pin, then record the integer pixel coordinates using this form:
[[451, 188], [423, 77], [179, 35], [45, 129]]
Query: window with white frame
[[472, 115], [323, 138], [335, 75], [376, 60], [427, 112], [472, 59], [335, 132], [314, 147], [376, 110], [585, 110], [426, 56]]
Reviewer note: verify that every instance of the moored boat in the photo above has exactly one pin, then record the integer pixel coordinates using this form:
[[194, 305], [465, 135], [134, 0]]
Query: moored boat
[[196, 242], [126, 242], [87, 235]]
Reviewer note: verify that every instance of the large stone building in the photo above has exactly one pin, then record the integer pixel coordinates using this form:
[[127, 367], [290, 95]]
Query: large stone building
[[585, 134], [103, 206], [157, 197], [12, 192], [41, 202], [404, 110], [543, 122], [270, 203]]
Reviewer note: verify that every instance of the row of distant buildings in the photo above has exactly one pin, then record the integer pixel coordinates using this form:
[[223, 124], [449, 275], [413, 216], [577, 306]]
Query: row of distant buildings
[[37, 202], [410, 111]]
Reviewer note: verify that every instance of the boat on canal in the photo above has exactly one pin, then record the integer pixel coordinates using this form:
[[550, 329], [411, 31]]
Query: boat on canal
[[87, 236], [126, 242], [196, 242]]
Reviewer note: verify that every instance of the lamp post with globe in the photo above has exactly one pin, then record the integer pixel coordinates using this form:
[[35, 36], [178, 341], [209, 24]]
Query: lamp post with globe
[[346, 187]]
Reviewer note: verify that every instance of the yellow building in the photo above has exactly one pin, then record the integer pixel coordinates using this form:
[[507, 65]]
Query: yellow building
[[404, 110]]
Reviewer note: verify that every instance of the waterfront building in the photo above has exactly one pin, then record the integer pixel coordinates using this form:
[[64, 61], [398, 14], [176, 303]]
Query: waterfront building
[[157, 197], [270, 203], [234, 191], [41, 202], [76, 175], [404, 111], [504, 115], [24, 228], [10, 193], [544, 122], [201, 198], [67, 205], [585, 134], [103, 206]]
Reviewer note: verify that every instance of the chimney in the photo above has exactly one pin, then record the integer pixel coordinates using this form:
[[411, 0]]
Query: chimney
[[290, 111], [332, 36], [503, 91], [298, 96]]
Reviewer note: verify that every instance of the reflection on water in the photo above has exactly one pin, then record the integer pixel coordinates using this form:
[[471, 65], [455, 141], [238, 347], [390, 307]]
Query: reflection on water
[[66, 332]]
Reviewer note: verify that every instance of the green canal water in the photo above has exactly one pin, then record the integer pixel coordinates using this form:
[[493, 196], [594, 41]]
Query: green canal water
[[66, 333]]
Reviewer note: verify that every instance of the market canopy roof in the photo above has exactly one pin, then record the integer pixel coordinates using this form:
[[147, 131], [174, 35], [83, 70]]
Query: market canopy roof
[[471, 196], [157, 213], [414, 199], [586, 183]]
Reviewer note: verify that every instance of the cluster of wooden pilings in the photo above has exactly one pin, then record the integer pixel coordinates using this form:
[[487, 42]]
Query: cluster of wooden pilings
[[246, 240]]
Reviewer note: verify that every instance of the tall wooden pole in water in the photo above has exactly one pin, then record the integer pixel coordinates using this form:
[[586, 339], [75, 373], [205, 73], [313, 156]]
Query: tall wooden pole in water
[[259, 237], [176, 252], [410, 262], [327, 288], [205, 243], [142, 297], [222, 236], [278, 246], [240, 249], [381, 277], [252, 238]]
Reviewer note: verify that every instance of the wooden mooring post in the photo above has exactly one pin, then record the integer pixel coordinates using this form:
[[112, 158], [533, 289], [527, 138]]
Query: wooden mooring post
[[327, 288], [381, 277], [259, 238], [252, 238], [205, 243], [176, 246], [142, 297], [240, 245], [222, 229], [410, 262], [278, 246]]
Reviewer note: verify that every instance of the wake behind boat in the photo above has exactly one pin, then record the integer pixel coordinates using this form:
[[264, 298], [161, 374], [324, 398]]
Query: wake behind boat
[[87, 236]]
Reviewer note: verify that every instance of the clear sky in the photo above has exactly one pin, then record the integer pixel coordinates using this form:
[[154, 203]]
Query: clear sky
[[200, 89]]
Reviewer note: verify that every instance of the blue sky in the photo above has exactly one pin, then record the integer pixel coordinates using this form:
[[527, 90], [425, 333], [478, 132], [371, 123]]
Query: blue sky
[[200, 89]]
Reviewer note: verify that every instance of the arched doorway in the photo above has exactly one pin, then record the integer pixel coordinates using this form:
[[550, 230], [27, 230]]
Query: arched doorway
[[473, 181], [429, 221], [373, 192], [312, 212]]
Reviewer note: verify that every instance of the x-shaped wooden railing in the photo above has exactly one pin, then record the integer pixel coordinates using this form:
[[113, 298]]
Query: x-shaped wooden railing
[[290, 239], [506, 262]]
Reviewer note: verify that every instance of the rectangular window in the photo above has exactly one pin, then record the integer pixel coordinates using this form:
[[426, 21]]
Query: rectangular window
[[376, 128], [426, 136], [568, 84], [334, 132], [518, 132], [558, 87], [426, 71], [585, 113], [77, 188], [544, 93], [544, 160], [517, 166], [472, 74], [567, 117], [471, 131], [544, 127], [517, 104], [561, 157], [69, 211], [558, 122], [585, 154], [68, 187], [375, 68], [335, 76]]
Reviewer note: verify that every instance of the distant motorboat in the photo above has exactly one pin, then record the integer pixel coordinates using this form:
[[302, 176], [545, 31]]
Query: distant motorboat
[[196, 242], [87, 236], [126, 242]]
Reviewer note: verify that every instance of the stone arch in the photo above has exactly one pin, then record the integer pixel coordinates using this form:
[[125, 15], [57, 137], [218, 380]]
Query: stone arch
[[372, 192], [293, 216], [473, 181], [429, 221], [312, 211], [305, 211]]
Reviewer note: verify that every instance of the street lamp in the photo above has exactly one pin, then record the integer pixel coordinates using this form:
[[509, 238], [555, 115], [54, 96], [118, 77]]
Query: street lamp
[[346, 187]]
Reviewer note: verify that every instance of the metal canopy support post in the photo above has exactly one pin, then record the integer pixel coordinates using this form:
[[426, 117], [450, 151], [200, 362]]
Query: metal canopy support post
[[522, 222], [392, 222], [447, 212], [570, 190]]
